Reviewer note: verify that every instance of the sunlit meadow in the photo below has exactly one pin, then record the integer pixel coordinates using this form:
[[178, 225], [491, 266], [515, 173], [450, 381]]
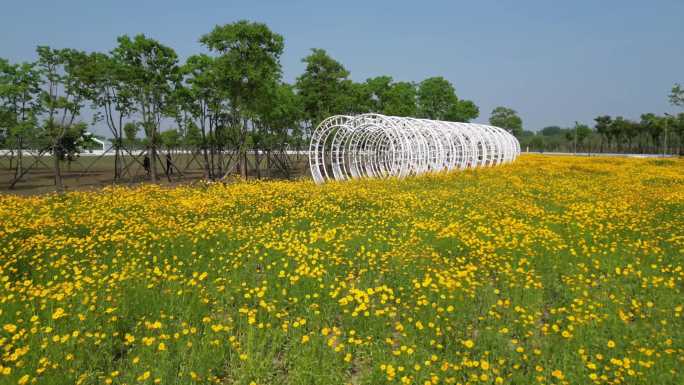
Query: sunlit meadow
[[553, 270]]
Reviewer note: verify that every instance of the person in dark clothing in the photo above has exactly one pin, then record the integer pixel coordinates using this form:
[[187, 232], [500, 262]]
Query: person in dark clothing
[[146, 164], [169, 164]]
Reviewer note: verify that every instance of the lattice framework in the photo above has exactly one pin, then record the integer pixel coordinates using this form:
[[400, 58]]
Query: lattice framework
[[372, 145]]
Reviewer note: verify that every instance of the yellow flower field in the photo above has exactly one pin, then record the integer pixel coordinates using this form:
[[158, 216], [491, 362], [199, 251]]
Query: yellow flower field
[[553, 270]]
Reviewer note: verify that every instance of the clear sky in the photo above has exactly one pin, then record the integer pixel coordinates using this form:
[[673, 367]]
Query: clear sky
[[554, 62]]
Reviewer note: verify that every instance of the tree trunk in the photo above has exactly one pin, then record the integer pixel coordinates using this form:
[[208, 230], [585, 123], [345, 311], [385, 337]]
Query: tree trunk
[[20, 160], [59, 184], [268, 164], [117, 162], [257, 162], [207, 174], [153, 164], [243, 162]]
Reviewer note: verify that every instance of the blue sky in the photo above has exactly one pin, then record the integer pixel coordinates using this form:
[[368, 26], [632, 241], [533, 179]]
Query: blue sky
[[554, 62]]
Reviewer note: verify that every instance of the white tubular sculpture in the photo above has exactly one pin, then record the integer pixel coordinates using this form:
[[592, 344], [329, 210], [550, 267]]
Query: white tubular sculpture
[[374, 145]]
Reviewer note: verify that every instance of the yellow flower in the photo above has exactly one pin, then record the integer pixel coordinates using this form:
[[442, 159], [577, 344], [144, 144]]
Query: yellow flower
[[161, 347], [611, 344], [58, 313], [23, 380], [305, 339], [10, 328], [469, 344]]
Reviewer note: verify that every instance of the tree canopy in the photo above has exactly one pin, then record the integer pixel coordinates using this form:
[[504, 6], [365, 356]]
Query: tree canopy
[[507, 118]]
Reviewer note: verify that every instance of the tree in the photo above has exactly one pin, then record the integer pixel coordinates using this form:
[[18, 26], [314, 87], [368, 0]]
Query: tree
[[578, 134], [391, 98], [65, 77], [655, 126], [677, 95], [436, 98], [551, 131], [19, 106], [131, 131], [170, 139], [247, 68], [537, 142], [507, 119], [73, 141], [677, 124], [602, 126], [201, 97], [463, 111], [378, 90], [112, 98], [322, 87], [150, 71], [278, 126], [400, 100]]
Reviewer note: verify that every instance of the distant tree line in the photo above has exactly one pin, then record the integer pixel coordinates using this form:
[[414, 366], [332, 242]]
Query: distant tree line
[[223, 103], [651, 134]]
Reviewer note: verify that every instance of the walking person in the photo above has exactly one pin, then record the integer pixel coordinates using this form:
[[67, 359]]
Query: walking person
[[146, 164], [169, 164]]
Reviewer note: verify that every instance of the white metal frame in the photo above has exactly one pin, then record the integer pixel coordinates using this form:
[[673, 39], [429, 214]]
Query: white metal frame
[[372, 145]]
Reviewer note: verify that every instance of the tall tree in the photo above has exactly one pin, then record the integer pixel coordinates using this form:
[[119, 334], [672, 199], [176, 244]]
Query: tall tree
[[603, 128], [400, 99], [151, 73], [378, 89], [19, 106], [677, 95], [112, 99], [202, 98], [65, 73], [248, 67], [507, 118], [656, 127], [391, 98], [578, 134], [322, 87], [436, 98], [463, 111]]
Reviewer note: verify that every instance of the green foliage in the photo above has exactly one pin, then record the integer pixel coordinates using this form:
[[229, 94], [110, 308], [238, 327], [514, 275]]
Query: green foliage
[[677, 95], [150, 73], [73, 141], [463, 111], [436, 98], [131, 130], [248, 64], [578, 134], [111, 94], [508, 119], [400, 99], [551, 131], [170, 139], [19, 103], [323, 86]]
